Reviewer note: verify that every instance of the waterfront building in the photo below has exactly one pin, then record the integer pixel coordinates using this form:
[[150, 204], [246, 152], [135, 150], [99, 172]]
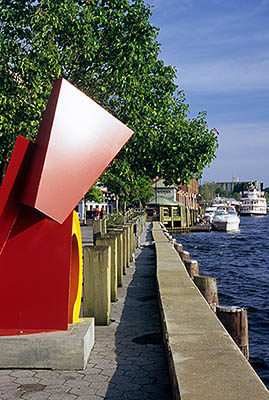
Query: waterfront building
[[230, 185], [180, 194], [174, 205]]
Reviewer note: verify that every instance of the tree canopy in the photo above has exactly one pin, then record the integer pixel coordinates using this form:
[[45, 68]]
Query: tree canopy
[[109, 50]]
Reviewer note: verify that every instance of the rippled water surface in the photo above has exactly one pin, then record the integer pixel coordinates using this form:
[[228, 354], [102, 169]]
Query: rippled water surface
[[240, 262]]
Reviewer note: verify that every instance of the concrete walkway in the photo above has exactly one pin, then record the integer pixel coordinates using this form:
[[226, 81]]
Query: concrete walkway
[[128, 360]]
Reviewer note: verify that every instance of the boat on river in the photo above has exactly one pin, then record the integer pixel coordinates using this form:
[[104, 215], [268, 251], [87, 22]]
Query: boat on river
[[211, 209], [210, 212], [253, 203], [226, 219]]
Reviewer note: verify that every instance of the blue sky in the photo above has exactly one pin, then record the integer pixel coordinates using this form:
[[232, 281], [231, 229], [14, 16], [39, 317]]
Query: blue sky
[[220, 49]]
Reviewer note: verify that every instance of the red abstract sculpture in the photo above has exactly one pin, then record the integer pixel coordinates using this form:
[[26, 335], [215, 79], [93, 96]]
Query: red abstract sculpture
[[39, 246]]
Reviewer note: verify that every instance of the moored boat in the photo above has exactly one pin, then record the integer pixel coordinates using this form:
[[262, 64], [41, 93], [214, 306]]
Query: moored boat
[[210, 212], [253, 203], [226, 219]]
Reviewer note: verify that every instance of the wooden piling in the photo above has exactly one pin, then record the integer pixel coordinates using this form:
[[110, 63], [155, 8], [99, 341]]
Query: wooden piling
[[110, 240], [185, 255], [99, 228], [192, 267], [235, 320], [208, 288], [178, 247], [97, 283], [119, 233]]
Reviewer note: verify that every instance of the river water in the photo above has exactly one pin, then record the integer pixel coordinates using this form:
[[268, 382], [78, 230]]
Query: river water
[[240, 262]]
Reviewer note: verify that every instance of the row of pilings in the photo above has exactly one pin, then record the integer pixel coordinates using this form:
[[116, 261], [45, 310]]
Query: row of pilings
[[234, 318], [106, 262]]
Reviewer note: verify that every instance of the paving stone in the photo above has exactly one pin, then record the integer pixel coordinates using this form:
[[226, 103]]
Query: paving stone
[[133, 373], [52, 381], [10, 396], [96, 379], [47, 374], [36, 396], [128, 386], [136, 395], [6, 379], [118, 394], [77, 383], [155, 388], [69, 376], [56, 389], [142, 380], [109, 372], [163, 395], [65, 396], [5, 387], [92, 397], [92, 371], [22, 373], [83, 391], [102, 392], [98, 385], [5, 372], [9, 391], [25, 381]]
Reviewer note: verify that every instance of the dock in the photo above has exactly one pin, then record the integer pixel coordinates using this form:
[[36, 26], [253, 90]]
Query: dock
[[193, 228], [201, 228]]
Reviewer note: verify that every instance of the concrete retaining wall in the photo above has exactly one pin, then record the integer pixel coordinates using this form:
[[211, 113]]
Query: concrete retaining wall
[[204, 362]]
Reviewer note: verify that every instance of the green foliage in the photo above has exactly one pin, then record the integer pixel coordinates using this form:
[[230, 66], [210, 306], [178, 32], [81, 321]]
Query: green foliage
[[208, 191], [108, 49], [94, 194], [222, 192], [241, 186], [236, 196], [114, 219]]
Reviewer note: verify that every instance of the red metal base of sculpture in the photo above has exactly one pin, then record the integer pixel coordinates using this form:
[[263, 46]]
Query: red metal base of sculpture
[[39, 251]]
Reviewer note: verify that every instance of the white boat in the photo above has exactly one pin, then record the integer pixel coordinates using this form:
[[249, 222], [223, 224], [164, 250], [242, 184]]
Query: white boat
[[210, 212], [226, 219], [253, 202]]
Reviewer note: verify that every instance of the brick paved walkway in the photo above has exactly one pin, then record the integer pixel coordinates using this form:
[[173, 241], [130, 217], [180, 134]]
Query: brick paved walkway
[[128, 360]]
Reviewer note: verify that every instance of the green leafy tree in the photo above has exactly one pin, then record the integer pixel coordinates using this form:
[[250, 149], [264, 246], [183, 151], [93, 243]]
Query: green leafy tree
[[108, 49], [241, 186], [208, 191], [222, 192], [94, 194]]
